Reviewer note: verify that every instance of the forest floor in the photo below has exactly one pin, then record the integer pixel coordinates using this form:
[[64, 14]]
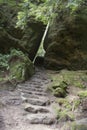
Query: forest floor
[[29, 106]]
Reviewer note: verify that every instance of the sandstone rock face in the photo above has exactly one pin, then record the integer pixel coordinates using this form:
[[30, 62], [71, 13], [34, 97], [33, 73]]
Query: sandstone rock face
[[9, 35], [27, 40], [32, 37], [66, 41]]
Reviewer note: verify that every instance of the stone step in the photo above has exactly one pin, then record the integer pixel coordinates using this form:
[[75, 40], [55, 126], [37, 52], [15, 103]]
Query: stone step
[[30, 86], [35, 83], [32, 109], [37, 107], [34, 93], [31, 89], [25, 96], [38, 102], [47, 119], [29, 96], [41, 94]]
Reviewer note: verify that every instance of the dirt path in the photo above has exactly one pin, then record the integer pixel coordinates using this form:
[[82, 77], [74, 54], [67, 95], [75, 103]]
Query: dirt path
[[28, 107]]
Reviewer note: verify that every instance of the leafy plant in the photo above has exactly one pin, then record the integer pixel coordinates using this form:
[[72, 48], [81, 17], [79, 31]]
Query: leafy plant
[[40, 10], [73, 4], [4, 61]]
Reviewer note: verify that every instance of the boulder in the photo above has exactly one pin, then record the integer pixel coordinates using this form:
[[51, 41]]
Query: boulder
[[20, 67], [66, 40], [15, 67]]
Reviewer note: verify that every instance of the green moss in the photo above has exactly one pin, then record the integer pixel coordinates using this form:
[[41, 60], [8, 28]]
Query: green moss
[[78, 127], [59, 92], [70, 78], [76, 103], [17, 71], [21, 71], [64, 115], [75, 78], [59, 89], [82, 94], [67, 105], [4, 61], [64, 103], [20, 67]]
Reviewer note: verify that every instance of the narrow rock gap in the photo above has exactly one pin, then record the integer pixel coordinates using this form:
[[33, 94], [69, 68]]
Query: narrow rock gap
[[39, 58]]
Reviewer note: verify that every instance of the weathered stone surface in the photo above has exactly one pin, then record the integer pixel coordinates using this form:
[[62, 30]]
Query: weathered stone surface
[[41, 119], [32, 37], [84, 104], [39, 102], [66, 41], [9, 35], [32, 109], [16, 67], [20, 67], [27, 40], [80, 124]]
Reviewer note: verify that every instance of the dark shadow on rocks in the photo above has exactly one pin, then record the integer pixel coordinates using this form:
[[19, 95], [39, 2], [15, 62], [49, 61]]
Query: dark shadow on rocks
[[39, 61]]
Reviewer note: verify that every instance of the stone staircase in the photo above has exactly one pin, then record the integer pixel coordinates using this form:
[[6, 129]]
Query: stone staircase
[[36, 101]]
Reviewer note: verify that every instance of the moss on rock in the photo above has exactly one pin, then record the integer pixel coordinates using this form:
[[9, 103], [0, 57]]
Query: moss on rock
[[64, 103], [76, 103], [63, 115], [58, 89], [17, 68], [78, 126], [21, 68], [82, 94], [66, 41], [70, 78], [66, 79]]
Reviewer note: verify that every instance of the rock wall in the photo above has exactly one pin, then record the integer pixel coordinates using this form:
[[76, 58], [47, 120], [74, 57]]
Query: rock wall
[[27, 40], [66, 41], [18, 47], [32, 37]]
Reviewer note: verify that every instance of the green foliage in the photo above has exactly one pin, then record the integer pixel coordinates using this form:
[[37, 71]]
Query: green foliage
[[5, 58], [72, 78], [73, 4], [15, 52], [8, 12], [40, 10], [21, 68], [79, 126], [4, 61], [64, 115], [76, 103], [9, 2], [58, 89], [64, 103], [82, 94]]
